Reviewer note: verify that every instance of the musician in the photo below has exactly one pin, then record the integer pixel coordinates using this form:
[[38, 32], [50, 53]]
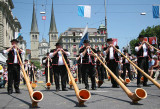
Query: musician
[[112, 60], [79, 59], [126, 66], [50, 68], [13, 66], [88, 64], [26, 68], [58, 66], [100, 67], [32, 72], [143, 56]]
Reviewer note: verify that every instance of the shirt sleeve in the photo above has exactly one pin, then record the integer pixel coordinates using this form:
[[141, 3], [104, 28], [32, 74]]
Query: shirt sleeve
[[5, 51], [151, 49], [68, 54], [104, 53], [44, 61], [136, 49], [23, 52], [51, 55], [81, 54]]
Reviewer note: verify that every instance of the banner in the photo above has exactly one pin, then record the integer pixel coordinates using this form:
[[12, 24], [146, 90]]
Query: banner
[[84, 11], [153, 40], [115, 41], [43, 17], [146, 39]]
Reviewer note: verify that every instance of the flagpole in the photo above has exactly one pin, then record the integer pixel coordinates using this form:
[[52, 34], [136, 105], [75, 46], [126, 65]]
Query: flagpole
[[106, 20]]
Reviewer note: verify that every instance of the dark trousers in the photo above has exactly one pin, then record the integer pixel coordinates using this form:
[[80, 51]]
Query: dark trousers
[[60, 70], [32, 76], [79, 73], [51, 74], [100, 70], [24, 82], [126, 66], [88, 70], [13, 75], [113, 66], [143, 64]]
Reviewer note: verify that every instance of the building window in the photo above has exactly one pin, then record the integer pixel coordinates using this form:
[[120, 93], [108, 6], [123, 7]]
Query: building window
[[95, 39], [102, 40], [67, 47], [32, 36], [66, 40], [35, 36], [74, 34], [74, 40]]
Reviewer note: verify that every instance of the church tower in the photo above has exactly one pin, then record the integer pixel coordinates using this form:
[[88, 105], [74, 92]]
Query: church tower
[[53, 34], [34, 36]]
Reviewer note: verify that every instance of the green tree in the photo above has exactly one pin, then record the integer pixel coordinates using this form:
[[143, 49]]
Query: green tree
[[148, 32], [37, 64]]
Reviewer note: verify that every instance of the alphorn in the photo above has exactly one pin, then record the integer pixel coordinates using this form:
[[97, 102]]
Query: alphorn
[[76, 79], [139, 92], [36, 96], [82, 95], [126, 81], [99, 82], [48, 84], [152, 46], [34, 85], [145, 74]]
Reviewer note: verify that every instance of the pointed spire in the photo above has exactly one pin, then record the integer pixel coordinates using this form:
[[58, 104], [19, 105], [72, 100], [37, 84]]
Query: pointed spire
[[53, 27], [34, 27]]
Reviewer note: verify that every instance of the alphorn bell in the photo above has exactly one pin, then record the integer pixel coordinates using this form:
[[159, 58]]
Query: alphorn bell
[[99, 82], [82, 95], [126, 81], [139, 92], [34, 85], [48, 84], [144, 74], [36, 96]]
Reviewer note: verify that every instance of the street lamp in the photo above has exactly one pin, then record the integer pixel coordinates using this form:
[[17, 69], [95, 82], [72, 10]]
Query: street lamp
[[143, 13]]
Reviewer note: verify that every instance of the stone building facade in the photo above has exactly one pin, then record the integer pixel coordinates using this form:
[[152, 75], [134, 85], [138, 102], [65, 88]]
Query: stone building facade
[[8, 24], [70, 40]]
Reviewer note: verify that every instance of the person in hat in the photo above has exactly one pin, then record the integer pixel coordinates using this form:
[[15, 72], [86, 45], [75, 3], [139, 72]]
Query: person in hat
[[58, 66], [100, 68], [32, 72], [45, 61], [143, 56], [26, 68], [155, 67], [126, 66], [112, 60], [13, 66], [88, 64], [79, 65]]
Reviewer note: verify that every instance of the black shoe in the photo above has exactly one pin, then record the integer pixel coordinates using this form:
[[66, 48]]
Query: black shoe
[[139, 85], [87, 87], [94, 89], [57, 90], [18, 91], [9, 92], [146, 85], [64, 89]]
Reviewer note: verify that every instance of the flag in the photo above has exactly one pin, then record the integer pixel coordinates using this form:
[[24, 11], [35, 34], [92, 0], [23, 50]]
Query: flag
[[153, 40], [115, 41], [43, 17], [156, 11], [84, 11], [84, 36], [17, 34]]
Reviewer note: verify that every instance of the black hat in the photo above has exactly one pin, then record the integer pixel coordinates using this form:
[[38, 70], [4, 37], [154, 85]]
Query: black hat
[[57, 44], [86, 41], [25, 60], [47, 53], [14, 40], [124, 50], [77, 55], [98, 51], [141, 36], [110, 39]]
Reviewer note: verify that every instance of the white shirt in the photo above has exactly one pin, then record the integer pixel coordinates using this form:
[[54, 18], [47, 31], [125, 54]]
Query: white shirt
[[145, 53], [126, 61], [60, 61], [15, 55], [26, 67], [90, 60], [111, 53]]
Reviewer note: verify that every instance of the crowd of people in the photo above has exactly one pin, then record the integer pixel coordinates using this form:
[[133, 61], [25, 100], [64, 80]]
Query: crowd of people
[[88, 65]]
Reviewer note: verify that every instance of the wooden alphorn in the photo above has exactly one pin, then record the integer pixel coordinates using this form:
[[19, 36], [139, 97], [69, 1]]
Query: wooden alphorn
[[145, 74], [152, 46], [48, 84], [36, 96], [139, 92], [82, 95]]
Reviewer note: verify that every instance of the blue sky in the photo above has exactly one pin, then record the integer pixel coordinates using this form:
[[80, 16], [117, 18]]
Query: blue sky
[[123, 17]]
